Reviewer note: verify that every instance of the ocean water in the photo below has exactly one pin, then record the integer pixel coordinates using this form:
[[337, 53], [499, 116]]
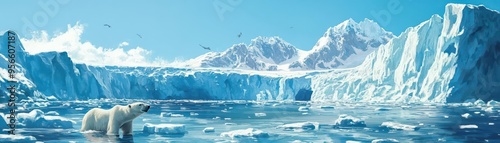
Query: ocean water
[[431, 123]]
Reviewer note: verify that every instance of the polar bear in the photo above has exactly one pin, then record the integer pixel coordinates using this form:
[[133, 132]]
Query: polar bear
[[113, 119]]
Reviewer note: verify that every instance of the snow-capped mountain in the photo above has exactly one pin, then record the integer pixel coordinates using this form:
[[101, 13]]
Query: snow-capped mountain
[[444, 59], [264, 53], [345, 45], [452, 58]]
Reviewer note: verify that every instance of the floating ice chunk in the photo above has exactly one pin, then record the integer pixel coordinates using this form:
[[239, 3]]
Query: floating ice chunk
[[51, 98], [176, 115], [37, 119], [468, 127], [305, 113], [209, 129], [52, 113], [477, 112], [479, 102], [399, 126], [300, 126], [349, 121], [166, 129], [216, 118], [493, 103], [349, 141], [6, 138], [250, 132], [385, 141], [229, 124], [382, 109], [303, 108], [491, 124], [260, 114], [491, 109], [227, 119], [165, 114], [193, 114], [78, 109], [446, 116], [466, 115]]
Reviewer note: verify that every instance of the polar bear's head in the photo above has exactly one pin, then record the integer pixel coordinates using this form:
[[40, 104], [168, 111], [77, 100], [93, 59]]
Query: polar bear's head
[[139, 107]]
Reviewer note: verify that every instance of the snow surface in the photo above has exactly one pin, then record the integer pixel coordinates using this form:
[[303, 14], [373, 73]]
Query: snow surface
[[165, 129], [345, 45]]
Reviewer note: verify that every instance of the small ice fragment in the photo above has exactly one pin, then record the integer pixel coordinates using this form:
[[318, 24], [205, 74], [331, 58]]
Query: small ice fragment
[[209, 129], [468, 127], [466, 115], [260, 114], [303, 108], [193, 114]]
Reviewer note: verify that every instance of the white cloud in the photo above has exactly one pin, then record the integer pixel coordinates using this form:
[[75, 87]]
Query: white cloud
[[86, 52], [123, 44]]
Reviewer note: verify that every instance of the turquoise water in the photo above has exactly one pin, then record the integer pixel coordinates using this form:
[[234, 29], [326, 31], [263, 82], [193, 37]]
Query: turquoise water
[[436, 123]]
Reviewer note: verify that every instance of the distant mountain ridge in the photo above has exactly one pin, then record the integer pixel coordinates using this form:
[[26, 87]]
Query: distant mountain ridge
[[345, 45]]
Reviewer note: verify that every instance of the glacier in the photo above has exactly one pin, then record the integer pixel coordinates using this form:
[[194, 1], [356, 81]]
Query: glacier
[[444, 59]]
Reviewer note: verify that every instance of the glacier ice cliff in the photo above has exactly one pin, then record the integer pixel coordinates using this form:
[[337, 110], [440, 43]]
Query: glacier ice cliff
[[444, 59], [449, 59]]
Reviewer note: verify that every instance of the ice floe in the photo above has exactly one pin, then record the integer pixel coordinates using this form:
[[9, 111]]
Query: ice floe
[[299, 126], [349, 121], [250, 132], [168, 129], [37, 119], [399, 126]]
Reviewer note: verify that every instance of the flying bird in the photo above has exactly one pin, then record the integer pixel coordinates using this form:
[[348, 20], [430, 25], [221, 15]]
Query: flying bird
[[239, 35], [139, 36], [207, 48], [109, 26]]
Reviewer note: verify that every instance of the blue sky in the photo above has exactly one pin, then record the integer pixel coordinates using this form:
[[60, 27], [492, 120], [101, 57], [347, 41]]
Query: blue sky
[[174, 28]]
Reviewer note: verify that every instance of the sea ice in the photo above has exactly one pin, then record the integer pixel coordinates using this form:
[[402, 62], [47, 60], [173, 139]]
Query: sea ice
[[209, 129], [349, 121], [260, 114], [250, 132], [385, 141], [399, 126], [299, 126], [37, 119], [169, 129], [466, 115], [52, 113], [6, 138], [468, 127], [303, 108]]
